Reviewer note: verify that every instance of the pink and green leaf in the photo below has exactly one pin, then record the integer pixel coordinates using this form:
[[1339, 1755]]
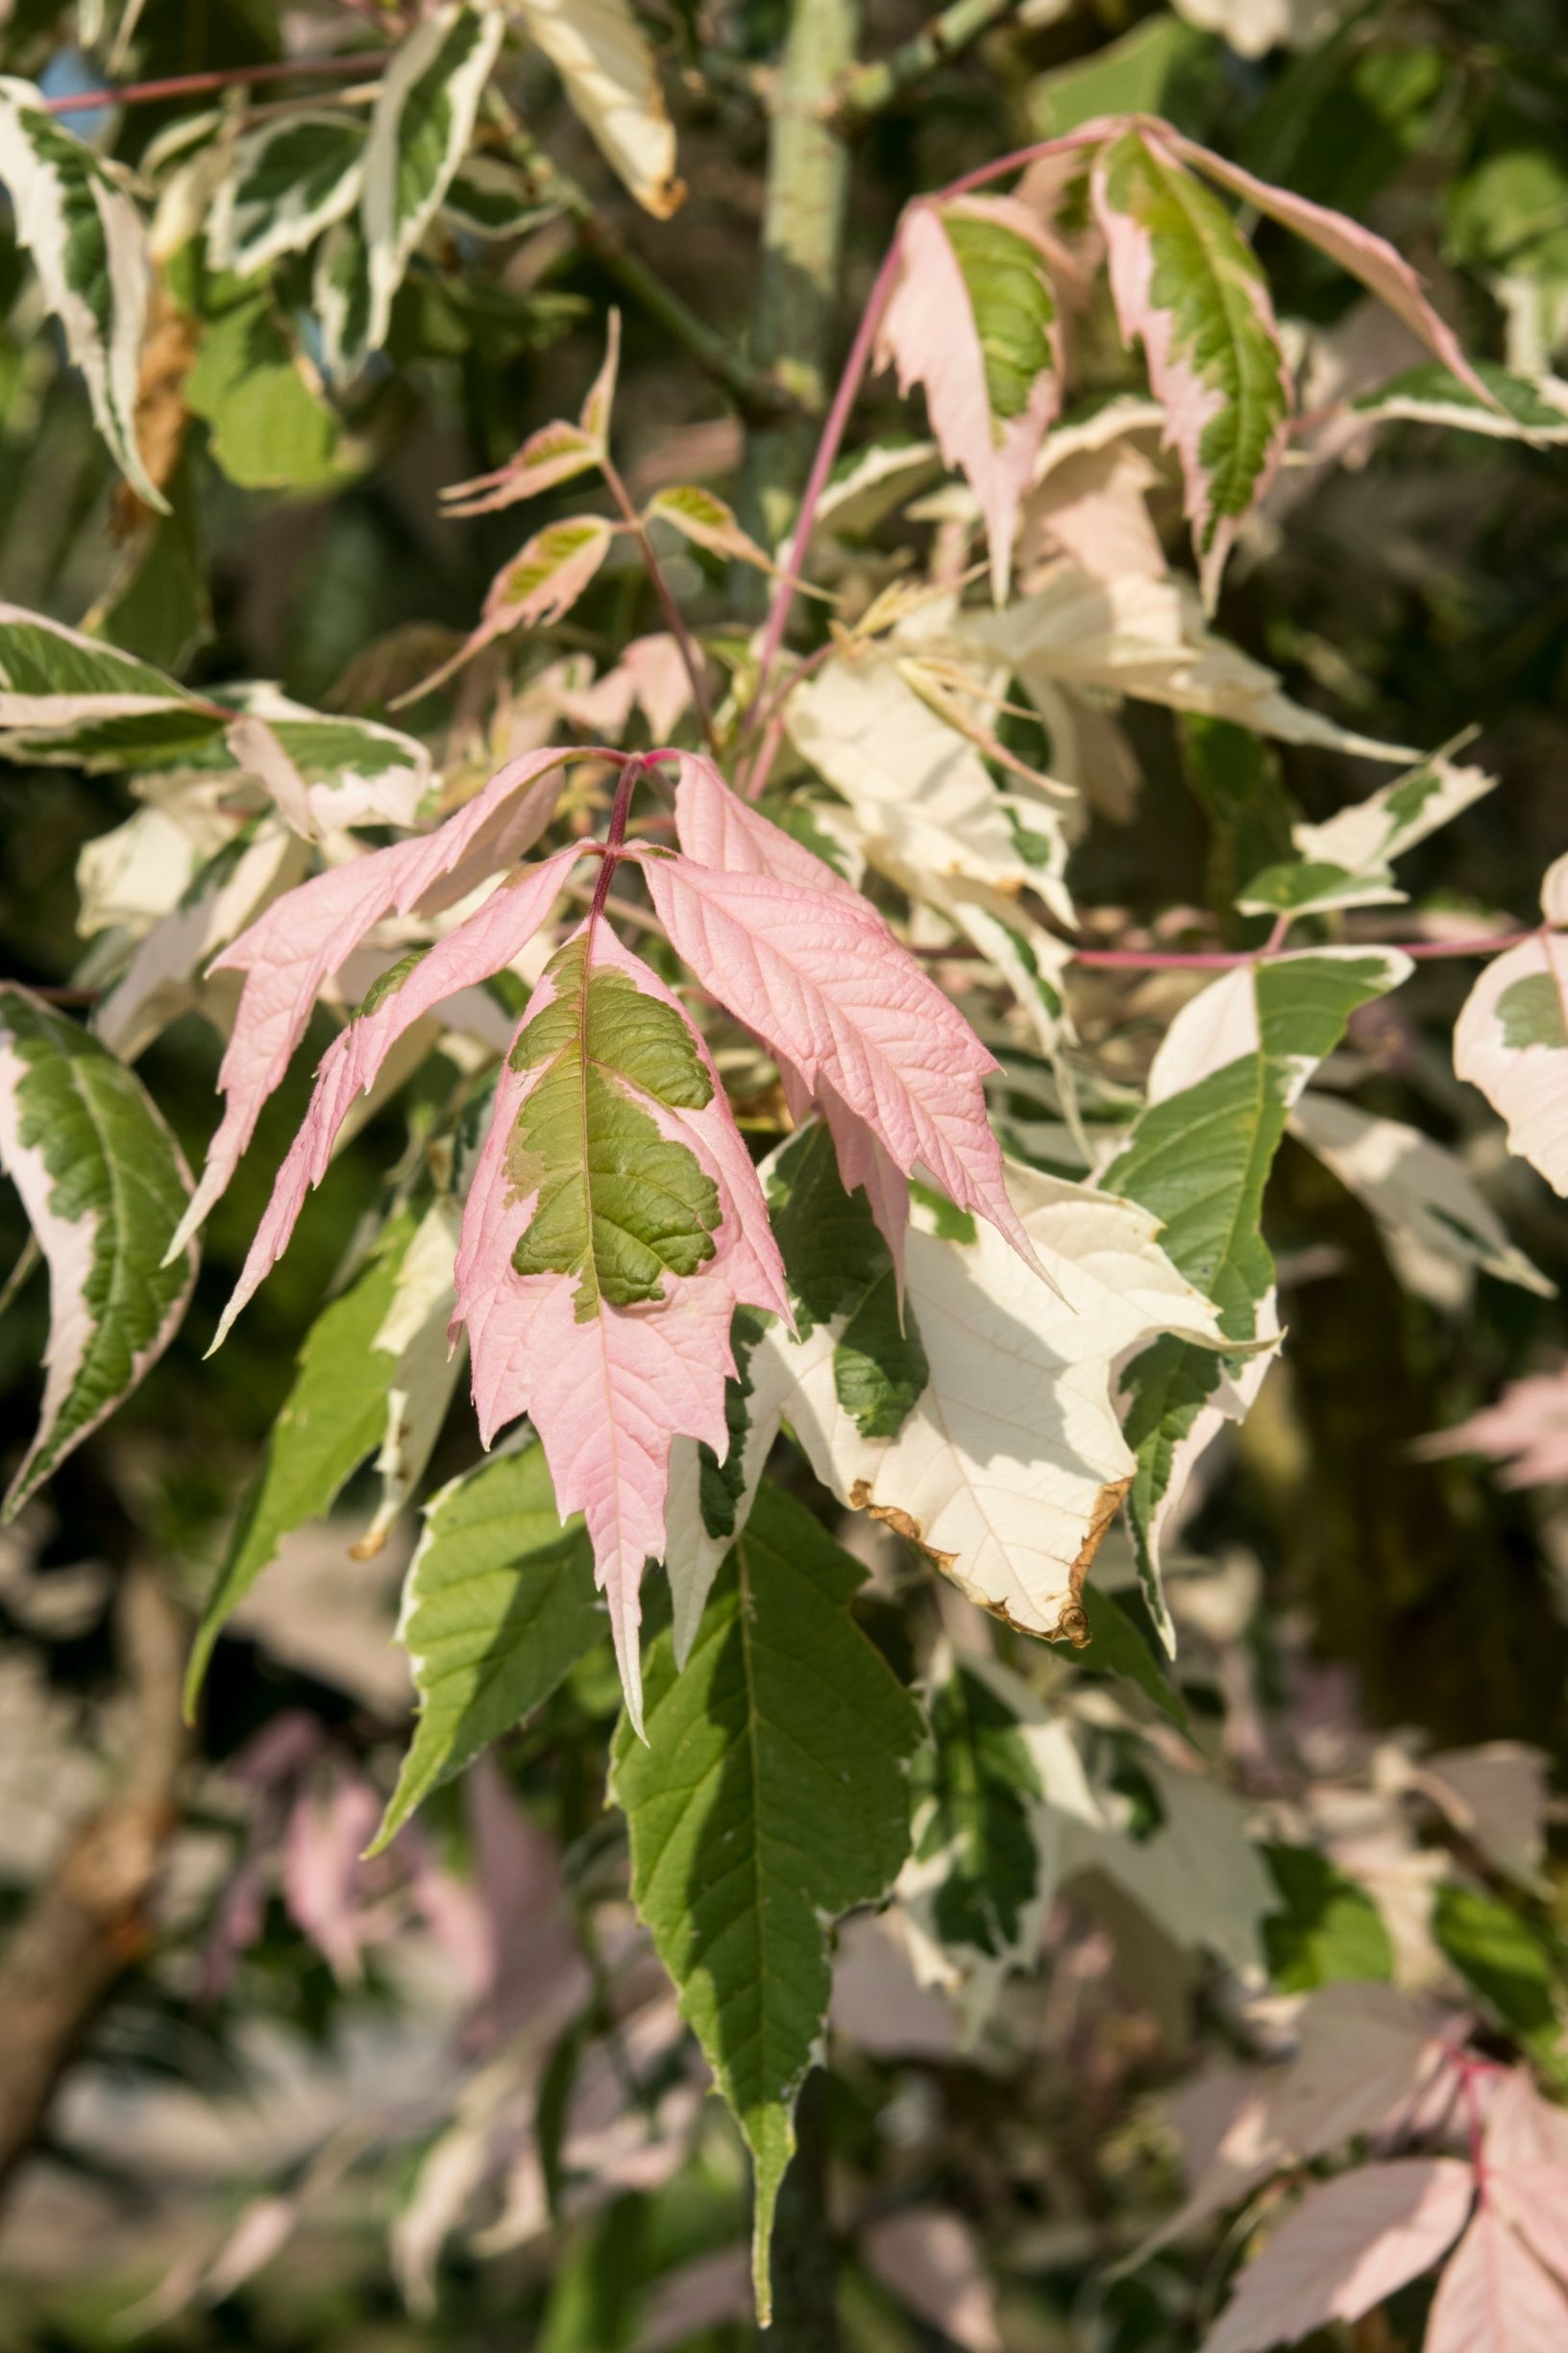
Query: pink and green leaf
[[1188, 285]]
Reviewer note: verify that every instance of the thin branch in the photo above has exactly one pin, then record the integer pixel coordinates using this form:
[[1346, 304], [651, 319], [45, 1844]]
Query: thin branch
[[87, 1921], [223, 78], [691, 653], [871, 90], [754, 391]]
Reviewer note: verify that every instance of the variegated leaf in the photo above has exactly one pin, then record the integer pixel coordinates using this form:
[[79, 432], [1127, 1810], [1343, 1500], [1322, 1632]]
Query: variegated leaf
[[608, 73], [89, 248], [1187, 285], [290, 178], [419, 134], [104, 1186], [1511, 1038]]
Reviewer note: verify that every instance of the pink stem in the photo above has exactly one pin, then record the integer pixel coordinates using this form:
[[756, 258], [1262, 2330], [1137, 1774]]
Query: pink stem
[[226, 78], [628, 783], [1141, 960]]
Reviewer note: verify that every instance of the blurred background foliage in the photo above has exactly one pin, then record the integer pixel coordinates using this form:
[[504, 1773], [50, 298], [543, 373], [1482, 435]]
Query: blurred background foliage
[[1416, 594]]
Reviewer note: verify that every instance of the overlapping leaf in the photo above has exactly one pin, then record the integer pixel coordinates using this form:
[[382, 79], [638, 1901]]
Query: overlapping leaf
[[290, 178], [89, 249], [608, 73], [1512, 1039], [104, 1185], [1188, 288], [1227, 1074], [498, 1606], [419, 133], [973, 320], [614, 1225]]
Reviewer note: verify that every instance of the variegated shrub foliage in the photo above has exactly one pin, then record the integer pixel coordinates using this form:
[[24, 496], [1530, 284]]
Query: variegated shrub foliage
[[765, 1131]]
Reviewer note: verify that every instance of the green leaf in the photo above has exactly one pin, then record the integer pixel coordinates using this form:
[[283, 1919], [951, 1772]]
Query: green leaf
[[1161, 67], [976, 1790], [1515, 1965], [335, 1416], [104, 1187], [840, 1267], [340, 296], [269, 429], [499, 1605], [1530, 1012], [70, 697], [490, 197], [1328, 1930], [1117, 1646], [773, 1793], [618, 1205], [89, 249]]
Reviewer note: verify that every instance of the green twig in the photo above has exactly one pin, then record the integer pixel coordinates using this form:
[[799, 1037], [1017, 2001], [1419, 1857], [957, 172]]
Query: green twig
[[871, 90]]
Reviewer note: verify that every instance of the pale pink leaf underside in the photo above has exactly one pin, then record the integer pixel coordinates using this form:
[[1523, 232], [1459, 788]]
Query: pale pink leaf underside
[[308, 934], [820, 979], [484, 944], [1495, 2297], [1349, 2244]]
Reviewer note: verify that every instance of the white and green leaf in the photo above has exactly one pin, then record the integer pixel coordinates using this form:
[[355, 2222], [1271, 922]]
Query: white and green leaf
[[420, 131], [65, 696], [1229, 1071], [1437, 1225], [1007, 1464], [611, 79], [771, 1795], [89, 246], [1527, 408], [1511, 1038], [105, 1186], [499, 1605], [289, 180]]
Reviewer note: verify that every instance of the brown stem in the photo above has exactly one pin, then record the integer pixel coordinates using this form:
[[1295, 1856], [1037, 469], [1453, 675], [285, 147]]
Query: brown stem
[[86, 1922], [691, 653], [224, 78]]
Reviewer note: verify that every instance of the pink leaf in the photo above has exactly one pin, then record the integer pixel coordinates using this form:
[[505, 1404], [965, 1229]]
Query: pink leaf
[[820, 979], [931, 333], [1348, 2246], [716, 827], [324, 1879], [1494, 2298], [931, 2261], [1524, 2129], [543, 581], [1527, 1430], [1535, 2200], [1370, 259], [609, 1394], [308, 934], [486, 945]]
